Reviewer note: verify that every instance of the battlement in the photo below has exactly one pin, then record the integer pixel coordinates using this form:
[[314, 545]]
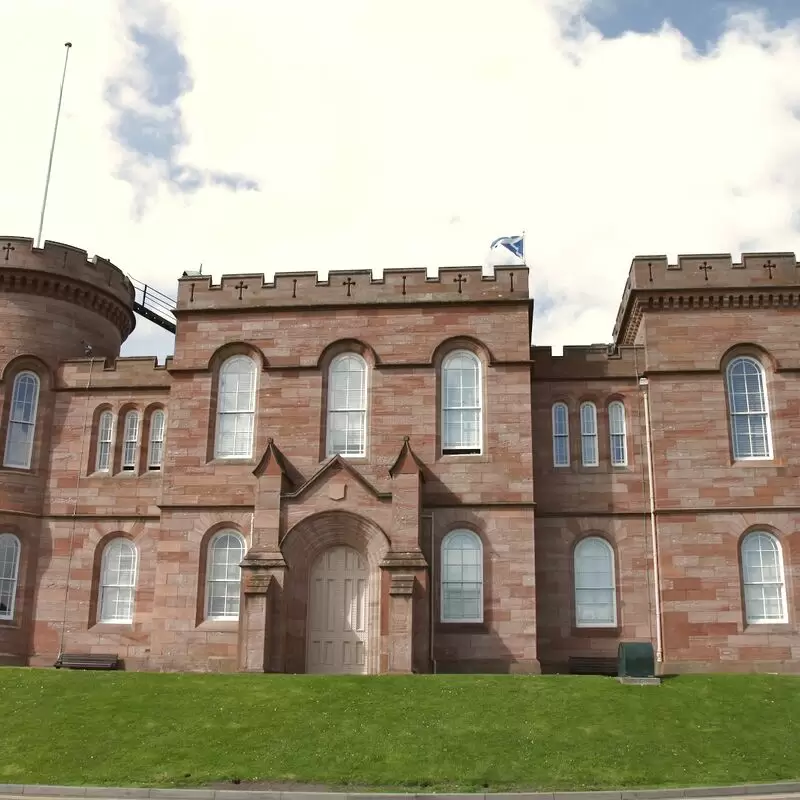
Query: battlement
[[586, 362], [358, 287], [712, 273], [133, 373]]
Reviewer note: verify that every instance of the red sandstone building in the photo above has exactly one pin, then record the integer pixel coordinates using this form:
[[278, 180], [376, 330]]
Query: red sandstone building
[[363, 475]]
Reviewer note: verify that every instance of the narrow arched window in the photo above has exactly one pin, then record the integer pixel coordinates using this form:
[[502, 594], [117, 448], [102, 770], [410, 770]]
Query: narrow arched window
[[224, 575], [617, 434], [763, 579], [236, 407], [749, 410], [130, 446], [156, 447], [9, 572], [462, 577], [595, 587], [589, 455], [105, 435], [347, 406], [118, 581], [462, 425], [560, 435], [22, 421]]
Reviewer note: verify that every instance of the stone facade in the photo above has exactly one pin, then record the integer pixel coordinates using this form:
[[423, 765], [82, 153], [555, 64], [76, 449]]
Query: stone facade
[[673, 511]]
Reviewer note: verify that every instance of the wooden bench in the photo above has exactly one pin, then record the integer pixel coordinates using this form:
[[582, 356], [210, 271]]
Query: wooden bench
[[593, 665], [87, 661]]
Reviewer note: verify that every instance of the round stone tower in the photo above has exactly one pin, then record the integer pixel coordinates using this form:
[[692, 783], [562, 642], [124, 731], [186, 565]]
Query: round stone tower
[[56, 304]]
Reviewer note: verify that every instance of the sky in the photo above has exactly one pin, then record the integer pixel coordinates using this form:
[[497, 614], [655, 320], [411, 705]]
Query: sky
[[255, 136]]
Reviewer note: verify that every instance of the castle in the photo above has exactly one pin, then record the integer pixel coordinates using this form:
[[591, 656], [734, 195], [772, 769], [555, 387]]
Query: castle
[[382, 475]]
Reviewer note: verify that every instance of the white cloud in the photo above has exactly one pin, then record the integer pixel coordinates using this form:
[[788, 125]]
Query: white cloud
[[414, 133]]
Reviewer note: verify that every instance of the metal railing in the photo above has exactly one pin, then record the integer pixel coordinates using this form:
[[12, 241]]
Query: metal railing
[[153, 305]]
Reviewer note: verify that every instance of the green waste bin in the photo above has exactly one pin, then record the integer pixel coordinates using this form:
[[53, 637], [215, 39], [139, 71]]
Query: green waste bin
[[636, 660]]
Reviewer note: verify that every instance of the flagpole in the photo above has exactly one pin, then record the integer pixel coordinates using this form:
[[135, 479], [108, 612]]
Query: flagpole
[[68, 45], [524, 252]]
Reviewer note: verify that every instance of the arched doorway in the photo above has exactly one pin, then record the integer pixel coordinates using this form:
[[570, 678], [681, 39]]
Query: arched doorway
[[338, 613]]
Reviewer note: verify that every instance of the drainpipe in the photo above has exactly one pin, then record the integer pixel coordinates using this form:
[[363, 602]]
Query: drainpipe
[[431, 588], [644, 384]]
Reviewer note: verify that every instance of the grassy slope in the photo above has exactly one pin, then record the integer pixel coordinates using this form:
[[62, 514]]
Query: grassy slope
[[445, 732]]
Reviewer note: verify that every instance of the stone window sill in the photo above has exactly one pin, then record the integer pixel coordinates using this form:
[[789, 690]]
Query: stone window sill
[[112, 627], [596, 633], [219, 625]]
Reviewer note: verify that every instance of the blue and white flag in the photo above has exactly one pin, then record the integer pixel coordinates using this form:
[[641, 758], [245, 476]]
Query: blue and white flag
[[514, 244]]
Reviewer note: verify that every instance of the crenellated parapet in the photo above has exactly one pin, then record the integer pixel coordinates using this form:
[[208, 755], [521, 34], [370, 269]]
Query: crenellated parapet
[[133, 373], [706, 281], [353, 288], [584, 363]]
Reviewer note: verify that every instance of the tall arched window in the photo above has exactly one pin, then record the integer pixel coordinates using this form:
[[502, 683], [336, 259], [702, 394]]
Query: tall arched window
[[589, 455], [347, 406], [617, 434], [155, 450], [560, 435], [9, 572], [130, 445], [236, 408], [22, 421], [223, 575], [105, 435], [595, 586], [462, 577], [462, 424], [763, 579], [118, 581], [749, 409]]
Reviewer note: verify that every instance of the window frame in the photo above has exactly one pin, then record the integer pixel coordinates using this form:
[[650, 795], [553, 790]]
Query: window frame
[[109, 454], [104, 584], [443, 582], [560, 406], [446, 448], [222, 413], [131, 434], [15, 387], [362, 410], [209, 580], [620, 434], [591, 436], [781, 583], [156, 436], [733, 415], [8, 615], [612, 588]]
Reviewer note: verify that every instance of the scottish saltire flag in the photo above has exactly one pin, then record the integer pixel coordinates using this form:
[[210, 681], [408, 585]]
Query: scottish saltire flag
[[514, 244]]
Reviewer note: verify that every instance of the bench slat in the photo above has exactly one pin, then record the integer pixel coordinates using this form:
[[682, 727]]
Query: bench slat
[[593, 665], [87, 661]]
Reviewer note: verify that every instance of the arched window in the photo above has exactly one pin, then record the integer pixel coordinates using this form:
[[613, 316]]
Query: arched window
[[462, 577], [560, 435], [595, 588], [223, 575], [589, 455], [347, 406], [22, 421], [462, 426], [617, 434], [130, 447], [749, 410], [236, 408], [9, 571], [156, 448], [105, 435], [118, 581], [762, 576]]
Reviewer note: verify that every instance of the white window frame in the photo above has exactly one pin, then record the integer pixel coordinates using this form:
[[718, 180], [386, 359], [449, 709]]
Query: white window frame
[[750, 585], [155, 447], [560, 433], [589, 440], [9, 573], [608, 586], [123, 585], [745, 415], [212, 581], [349, 414], [446, 549], [454, 448], [24, 423], [130, 441], [105, 442], [243, 417], [617, 434]]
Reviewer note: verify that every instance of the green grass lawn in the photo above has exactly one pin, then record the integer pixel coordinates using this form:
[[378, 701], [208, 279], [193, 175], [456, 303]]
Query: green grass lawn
[[402, 733]]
